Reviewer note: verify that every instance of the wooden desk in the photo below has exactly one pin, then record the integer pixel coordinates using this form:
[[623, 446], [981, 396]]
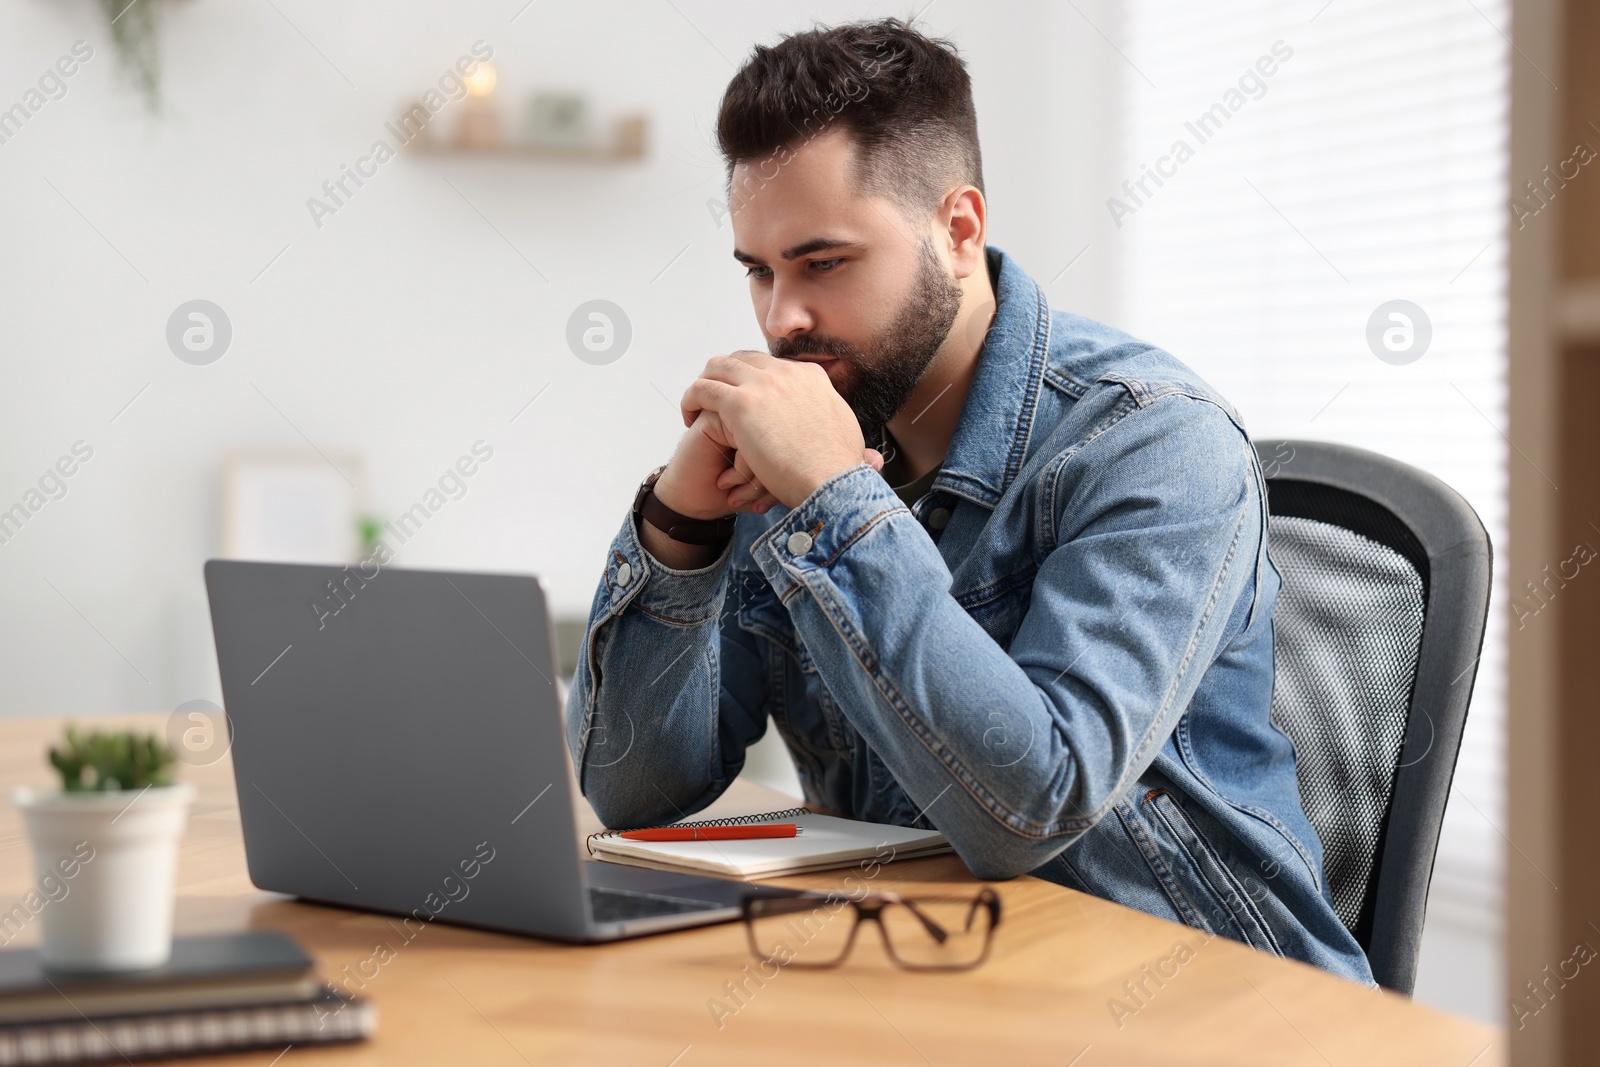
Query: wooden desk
[[1060, 960]]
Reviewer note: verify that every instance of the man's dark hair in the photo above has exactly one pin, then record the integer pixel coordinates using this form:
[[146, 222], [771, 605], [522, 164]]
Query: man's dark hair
[[905, 100]]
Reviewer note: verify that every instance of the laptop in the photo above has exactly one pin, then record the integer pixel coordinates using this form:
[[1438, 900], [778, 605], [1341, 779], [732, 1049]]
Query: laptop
[[398, 746]]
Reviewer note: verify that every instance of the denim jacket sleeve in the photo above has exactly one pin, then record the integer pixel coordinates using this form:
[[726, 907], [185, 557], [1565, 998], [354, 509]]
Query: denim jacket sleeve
[[1156, 522], [668, 691]]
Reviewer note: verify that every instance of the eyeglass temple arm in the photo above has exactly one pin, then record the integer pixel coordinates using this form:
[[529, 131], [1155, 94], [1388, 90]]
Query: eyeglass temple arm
[[935, 931]]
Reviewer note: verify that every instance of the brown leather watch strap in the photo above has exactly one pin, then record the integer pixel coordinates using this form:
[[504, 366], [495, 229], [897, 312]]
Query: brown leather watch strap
[[681, 528]]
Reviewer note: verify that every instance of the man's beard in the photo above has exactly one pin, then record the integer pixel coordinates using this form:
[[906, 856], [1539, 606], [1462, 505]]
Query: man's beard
[[880, 378]]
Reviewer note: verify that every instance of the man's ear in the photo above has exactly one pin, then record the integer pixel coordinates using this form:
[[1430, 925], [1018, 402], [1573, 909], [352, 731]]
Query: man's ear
[[965, 217]]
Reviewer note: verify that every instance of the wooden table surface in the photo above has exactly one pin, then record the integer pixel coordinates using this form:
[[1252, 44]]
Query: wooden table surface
[[1047, 995]]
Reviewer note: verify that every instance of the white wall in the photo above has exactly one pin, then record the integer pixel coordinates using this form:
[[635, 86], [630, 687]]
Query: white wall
[[406, 327]]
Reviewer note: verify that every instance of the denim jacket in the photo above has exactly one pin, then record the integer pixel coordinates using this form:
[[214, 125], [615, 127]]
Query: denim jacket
[[1061, 658]]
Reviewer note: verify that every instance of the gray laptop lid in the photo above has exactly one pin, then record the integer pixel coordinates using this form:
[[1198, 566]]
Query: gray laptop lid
[[404, 753]]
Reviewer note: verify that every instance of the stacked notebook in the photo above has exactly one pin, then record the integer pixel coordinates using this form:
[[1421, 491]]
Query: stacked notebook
[[217, 994], [823, 843]]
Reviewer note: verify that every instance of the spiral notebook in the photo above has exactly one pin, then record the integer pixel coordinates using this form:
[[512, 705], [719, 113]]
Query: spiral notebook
[[824, 843]]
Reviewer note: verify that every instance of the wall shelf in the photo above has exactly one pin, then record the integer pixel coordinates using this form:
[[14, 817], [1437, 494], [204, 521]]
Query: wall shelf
[[627, 146]]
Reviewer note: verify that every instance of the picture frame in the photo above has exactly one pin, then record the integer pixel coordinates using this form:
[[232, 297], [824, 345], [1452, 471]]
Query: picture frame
[[291, 506]]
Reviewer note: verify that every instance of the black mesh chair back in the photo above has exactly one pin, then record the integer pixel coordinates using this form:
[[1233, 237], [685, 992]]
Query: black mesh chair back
[[1377, 633]]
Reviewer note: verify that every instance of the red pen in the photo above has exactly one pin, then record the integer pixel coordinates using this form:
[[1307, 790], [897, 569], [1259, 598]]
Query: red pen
[[713, 833]]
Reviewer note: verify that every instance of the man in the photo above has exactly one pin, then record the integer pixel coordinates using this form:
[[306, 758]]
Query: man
[[1043, 627]]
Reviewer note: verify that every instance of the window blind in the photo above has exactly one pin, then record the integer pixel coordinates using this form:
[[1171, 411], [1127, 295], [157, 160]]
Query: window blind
[[1368, 166]]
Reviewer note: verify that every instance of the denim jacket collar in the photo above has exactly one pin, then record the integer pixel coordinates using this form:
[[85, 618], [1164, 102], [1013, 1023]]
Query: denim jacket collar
[[991, 437]]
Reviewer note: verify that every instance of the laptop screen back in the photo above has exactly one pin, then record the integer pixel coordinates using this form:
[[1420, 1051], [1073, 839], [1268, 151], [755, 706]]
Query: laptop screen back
[[397, 742]]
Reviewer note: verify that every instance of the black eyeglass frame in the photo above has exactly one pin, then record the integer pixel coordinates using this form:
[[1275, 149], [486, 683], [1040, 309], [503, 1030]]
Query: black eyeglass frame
[[870, 908]]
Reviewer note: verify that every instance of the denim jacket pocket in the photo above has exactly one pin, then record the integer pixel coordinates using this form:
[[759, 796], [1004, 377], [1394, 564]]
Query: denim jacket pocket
[[807, 715], [1000, 606], [1205, 875], [759, 610], [886, 800], [1189, 911]]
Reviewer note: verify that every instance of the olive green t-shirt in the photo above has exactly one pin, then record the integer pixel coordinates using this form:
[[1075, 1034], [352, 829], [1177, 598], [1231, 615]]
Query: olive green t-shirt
[[894, 473]]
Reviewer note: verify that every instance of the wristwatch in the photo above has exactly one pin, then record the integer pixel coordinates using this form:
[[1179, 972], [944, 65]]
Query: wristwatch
[[680, 528]]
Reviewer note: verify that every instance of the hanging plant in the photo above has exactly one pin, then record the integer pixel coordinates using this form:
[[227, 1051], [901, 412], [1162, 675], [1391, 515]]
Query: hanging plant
[[133, 31]]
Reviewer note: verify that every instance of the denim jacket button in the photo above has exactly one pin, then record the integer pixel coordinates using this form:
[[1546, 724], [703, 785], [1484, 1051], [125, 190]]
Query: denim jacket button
[[939, 519], [624, 575], [799, 543]]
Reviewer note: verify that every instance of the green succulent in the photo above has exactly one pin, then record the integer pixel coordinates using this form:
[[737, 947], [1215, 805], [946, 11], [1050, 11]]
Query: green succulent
[[102, 762]]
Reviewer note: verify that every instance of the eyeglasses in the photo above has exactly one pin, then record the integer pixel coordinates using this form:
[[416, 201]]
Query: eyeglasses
[[931, 933]]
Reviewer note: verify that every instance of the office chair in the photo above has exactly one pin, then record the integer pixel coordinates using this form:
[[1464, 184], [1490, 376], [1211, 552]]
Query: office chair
[[1378, 629]]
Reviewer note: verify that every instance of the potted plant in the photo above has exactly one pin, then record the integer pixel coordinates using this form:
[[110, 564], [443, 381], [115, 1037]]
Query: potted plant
[[107, 842]]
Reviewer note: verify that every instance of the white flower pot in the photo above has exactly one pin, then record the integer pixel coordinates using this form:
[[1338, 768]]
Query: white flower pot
[[113, 911]]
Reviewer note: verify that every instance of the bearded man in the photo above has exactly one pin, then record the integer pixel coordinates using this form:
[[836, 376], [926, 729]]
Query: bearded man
[[987, 567]]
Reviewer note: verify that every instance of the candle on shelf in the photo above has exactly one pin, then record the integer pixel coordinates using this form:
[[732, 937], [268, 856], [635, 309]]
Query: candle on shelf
[[480, 126]]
